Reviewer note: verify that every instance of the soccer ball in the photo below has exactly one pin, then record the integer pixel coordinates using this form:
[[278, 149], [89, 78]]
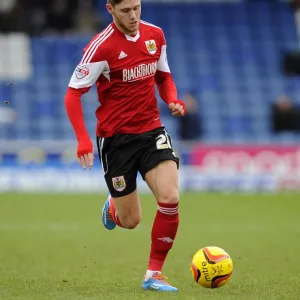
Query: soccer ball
[[211, 267]]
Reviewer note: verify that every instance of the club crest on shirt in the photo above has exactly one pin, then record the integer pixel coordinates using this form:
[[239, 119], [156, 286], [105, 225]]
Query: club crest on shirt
[[119, 183], [81, 71], [151, 46]]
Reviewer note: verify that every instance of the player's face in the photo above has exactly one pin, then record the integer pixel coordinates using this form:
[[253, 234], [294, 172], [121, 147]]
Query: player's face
[[126, 15]]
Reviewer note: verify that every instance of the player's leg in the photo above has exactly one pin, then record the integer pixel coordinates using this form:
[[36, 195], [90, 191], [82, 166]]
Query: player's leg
[[160, 171], [118, 159], [124, 211], [163, 181]]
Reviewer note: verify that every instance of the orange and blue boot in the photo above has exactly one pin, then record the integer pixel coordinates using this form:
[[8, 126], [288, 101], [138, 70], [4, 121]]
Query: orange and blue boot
[[157, 282], [107, 219]]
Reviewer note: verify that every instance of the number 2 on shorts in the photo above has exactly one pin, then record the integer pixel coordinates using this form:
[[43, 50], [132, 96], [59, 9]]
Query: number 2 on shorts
[[163, 142]]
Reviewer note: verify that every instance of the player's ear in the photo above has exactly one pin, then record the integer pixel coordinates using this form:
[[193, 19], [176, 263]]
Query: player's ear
[[109, 8]]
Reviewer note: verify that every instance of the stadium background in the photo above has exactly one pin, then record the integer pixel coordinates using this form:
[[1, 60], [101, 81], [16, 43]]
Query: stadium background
[[228, 53]]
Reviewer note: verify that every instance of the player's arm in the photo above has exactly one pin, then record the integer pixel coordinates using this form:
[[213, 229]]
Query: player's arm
[[83, 78], [166, 86]]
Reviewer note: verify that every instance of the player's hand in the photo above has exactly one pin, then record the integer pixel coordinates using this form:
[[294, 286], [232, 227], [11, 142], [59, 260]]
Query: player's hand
[[177, 108], [85, 153]]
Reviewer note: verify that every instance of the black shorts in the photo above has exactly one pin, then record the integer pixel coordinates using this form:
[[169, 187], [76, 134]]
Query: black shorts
[[124, 155]]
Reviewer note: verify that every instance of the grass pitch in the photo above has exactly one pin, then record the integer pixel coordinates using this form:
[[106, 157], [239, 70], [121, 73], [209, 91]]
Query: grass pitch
[[55, 247]]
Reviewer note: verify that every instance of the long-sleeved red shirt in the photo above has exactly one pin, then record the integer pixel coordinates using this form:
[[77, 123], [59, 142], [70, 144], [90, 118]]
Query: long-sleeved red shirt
[[125, 70]]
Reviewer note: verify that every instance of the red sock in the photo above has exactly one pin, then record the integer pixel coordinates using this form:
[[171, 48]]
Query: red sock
[[113, 212], [163, 234]]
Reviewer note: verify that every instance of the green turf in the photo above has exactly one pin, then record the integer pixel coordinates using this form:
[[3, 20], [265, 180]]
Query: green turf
[[55, 247]]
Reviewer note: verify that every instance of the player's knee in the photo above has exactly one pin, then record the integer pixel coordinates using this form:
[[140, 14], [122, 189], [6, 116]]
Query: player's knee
[[130, 222], [171, 198]]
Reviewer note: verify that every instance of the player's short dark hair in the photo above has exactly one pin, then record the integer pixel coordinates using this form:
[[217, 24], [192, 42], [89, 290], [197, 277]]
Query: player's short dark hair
[[114, 2]]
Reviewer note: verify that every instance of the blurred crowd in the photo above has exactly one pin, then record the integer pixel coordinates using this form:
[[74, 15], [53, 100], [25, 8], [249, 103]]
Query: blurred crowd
[[37, 17], [285, 115]]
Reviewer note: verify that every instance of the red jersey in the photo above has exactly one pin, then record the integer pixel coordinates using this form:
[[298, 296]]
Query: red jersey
[[124, 69]]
